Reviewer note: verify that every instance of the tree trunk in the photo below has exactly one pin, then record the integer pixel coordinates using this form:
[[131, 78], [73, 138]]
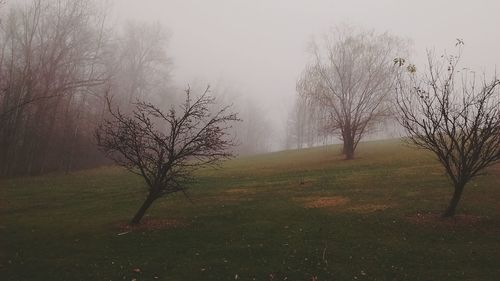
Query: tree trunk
[[450, 211], [348, 149], [142, 210], [349, 154]]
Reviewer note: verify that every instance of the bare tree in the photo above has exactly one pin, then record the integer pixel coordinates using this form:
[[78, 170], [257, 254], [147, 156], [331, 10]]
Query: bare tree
[[308, 122], [452, 115], [351, 76], [254, 132], [166, 158], [296, 125], [141, 64]]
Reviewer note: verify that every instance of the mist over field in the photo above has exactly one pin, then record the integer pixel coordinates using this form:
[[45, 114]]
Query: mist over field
[[259, 48], [264, 140]]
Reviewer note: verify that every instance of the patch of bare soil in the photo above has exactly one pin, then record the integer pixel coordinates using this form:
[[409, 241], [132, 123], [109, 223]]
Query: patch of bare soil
[[324, 202], [151, 224], [435, 220], [368, 208]]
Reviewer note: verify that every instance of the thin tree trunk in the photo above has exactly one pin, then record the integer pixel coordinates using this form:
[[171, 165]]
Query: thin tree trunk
[[142, 210], [450, 211]]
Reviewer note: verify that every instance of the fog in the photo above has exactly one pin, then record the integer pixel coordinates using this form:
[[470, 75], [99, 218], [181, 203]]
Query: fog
[[260, 47], [286, 140], [61, 62]]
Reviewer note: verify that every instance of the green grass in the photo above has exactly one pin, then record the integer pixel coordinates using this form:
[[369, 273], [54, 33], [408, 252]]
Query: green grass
[[250, 218]]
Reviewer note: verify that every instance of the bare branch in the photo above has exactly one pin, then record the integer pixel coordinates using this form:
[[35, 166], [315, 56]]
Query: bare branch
[[166, 148], [457, 121], [350, 81]]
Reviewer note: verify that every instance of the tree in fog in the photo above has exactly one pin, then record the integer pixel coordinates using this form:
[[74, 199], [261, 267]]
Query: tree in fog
[[50, 63], [351, 77], [140, 64], [165, 148], [307, 123], [254, 132], [449, 112], [56, 60], [301, 129], [296, 125]]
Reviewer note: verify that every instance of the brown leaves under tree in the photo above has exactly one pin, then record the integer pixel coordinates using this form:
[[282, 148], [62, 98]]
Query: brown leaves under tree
[[165, 148], [454, 117]]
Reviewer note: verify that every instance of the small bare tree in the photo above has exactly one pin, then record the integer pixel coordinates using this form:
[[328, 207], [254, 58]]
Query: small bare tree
[[456, 119], [351, 77], [166, 148]]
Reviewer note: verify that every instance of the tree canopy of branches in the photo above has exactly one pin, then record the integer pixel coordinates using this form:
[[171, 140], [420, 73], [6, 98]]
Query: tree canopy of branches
[[448, 112], [306, 125], [49, 61], [141, 65], [254, 133], [57, 58], [165, 148], [351, 77]]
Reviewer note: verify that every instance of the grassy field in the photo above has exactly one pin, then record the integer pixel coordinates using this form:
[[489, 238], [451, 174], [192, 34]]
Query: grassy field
[[289, 215]]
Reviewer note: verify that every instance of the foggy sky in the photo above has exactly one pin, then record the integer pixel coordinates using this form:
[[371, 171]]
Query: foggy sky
[[259, 46]]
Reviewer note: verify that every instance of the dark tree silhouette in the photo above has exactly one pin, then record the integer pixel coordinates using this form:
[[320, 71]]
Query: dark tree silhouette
[[456, 118], [165, 148]]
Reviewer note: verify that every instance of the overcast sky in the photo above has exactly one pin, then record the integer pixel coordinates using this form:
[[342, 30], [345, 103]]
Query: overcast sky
[[259, 46]]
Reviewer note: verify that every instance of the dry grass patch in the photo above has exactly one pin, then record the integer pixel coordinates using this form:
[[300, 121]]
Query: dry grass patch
[[323, 202]]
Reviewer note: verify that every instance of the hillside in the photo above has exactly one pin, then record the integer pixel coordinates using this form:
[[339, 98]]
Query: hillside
[[289, 215]]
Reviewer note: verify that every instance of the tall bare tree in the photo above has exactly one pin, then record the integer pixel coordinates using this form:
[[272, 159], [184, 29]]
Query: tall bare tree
[[351, 76], [447, 111], [165, 148]]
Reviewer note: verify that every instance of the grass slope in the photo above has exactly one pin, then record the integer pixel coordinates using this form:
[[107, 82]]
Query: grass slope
[[283, 216]]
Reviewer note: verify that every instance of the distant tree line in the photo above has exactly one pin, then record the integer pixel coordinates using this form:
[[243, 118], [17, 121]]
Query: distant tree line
[[58, 61]]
